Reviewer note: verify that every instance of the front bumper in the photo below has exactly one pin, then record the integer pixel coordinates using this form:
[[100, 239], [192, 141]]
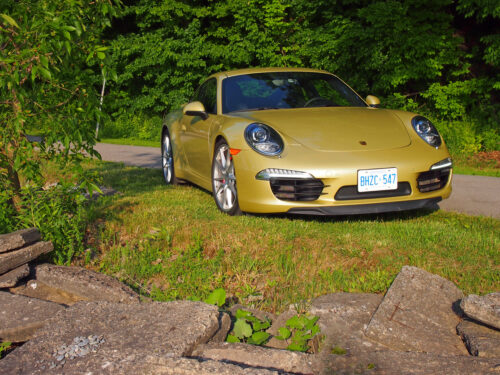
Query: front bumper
[[336, 171]]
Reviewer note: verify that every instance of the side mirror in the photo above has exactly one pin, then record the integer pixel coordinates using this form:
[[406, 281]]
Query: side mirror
[[373, 101], [195, 109]]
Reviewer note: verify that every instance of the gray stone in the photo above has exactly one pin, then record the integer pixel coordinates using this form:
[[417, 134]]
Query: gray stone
[[485, 309], [481, 340], [169, 329], [10, 279], [417, 314], [343, 320], [256, 356], [87, 285], [40, 290], [224, 327], [15, 240], [21, 317], [16, 258], [406, 363]]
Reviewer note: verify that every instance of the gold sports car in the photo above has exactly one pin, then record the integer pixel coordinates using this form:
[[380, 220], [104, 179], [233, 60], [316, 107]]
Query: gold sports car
[[300, 141]]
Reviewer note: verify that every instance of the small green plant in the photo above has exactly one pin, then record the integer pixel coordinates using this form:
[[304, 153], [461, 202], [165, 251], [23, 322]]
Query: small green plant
[[3, 347], [217, 297], [250, 329], [299, 330]]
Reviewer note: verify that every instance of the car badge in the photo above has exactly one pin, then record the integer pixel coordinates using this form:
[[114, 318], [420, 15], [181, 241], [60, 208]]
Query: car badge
[[362, 143]]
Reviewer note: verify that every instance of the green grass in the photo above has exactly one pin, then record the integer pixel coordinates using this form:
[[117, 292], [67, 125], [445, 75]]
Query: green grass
[[171, 242], [131, 142]]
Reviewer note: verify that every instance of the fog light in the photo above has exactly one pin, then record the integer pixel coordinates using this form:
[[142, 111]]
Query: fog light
[[445, 163]]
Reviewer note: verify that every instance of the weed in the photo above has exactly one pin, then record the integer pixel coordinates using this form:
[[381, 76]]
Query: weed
[[4, 346], [338, 350], [248, 328], [299, 330]]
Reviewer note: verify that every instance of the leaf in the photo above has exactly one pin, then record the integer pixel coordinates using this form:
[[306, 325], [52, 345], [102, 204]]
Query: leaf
[[295, 322], [297, 347], [45, 61], [311, 322], [101, 55], [284, 333], [45, 72], [258, 338], [217, 297], [241, 314], [232, 338], [9, 20], [260, 325], [242, 329]]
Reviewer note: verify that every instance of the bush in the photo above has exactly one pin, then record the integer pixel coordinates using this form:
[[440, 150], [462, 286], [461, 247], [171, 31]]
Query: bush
[[133, 126], [59, 213]]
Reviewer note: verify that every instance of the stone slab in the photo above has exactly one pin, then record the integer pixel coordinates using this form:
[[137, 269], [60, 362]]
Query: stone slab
[[481, 340], [224, 327], [21, 316], [86, 284], [11, 278], [256, 356], [16, 258], [418, 313], [406, 363], [40, 290], [170, 329], [485, 309], [15, 240], [343, 318]]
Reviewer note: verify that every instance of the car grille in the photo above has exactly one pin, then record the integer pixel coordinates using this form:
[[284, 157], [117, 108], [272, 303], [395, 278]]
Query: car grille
[[346, 193], [298, 189], [433, 180]]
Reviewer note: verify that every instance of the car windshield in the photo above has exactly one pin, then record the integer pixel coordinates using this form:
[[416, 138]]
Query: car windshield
[[251, 92]]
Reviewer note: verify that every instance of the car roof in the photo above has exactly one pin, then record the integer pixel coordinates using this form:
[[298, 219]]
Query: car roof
[[238, 72]]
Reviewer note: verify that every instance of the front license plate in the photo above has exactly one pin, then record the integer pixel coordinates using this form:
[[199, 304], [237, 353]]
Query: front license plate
[[377, 179]]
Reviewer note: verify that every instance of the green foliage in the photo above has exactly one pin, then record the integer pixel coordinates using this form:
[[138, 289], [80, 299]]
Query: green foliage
[[298, 331], [4, 345], [217, 297], [248, 328], [132, 126], [52, 58]]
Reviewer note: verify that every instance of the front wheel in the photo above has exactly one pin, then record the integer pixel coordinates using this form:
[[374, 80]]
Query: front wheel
[[167, 159], [224, 180]]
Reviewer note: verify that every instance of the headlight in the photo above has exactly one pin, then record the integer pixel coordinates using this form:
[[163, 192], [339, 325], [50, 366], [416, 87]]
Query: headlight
[[426, 131], [263, 139]]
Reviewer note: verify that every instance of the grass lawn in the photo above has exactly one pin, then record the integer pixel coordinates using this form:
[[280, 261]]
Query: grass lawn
[[171, 242]]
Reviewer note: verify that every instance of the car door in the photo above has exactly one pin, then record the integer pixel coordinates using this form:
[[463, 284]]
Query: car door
[[196, 133]]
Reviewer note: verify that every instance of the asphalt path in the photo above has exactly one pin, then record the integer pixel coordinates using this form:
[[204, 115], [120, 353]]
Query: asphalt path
[[472, 195]]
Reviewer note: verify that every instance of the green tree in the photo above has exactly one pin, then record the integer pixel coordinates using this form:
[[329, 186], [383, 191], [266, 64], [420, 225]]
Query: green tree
[[49, 67]]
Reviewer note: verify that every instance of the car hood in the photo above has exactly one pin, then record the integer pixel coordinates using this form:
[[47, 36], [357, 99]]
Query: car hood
[[336, 128]]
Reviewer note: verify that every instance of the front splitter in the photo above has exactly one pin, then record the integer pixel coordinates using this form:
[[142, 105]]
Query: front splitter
[[359, 209]]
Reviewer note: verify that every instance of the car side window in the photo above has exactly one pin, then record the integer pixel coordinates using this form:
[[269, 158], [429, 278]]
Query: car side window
[[207, 94]]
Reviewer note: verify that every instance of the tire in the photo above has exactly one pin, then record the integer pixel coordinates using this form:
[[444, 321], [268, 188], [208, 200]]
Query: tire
[[167, 159], [224, 180]]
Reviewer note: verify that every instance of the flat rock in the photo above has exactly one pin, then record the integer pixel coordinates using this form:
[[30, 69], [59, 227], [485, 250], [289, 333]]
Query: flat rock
[[481, 340], [11, 278], [15, 240], [170, 329], [406, 363], [256, 356], [224, 327], [418, 314], [343, 318], [21, 317], [87, 285], [16, 258], [485, 309], [40, 290]]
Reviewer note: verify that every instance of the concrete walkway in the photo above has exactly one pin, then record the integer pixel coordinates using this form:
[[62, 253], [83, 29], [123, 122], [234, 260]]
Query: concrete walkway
[[472, 195]]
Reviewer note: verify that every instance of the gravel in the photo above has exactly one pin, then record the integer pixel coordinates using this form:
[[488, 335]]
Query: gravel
[[80, 347]]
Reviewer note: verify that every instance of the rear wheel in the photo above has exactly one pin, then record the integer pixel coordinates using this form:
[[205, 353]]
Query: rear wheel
[[224, 180], [167, 159]]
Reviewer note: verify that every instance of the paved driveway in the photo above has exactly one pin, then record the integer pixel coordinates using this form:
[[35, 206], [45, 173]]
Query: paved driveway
[[472, 195]]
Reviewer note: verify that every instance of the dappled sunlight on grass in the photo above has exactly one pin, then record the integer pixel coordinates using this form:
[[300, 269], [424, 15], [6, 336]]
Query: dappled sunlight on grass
[[171, 242]]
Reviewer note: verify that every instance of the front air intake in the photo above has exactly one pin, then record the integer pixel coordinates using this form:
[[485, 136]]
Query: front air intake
[[295, 189], [433, 180]]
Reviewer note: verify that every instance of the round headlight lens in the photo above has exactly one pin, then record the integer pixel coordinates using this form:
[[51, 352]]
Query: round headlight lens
[[263, 139], [428, 132]]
